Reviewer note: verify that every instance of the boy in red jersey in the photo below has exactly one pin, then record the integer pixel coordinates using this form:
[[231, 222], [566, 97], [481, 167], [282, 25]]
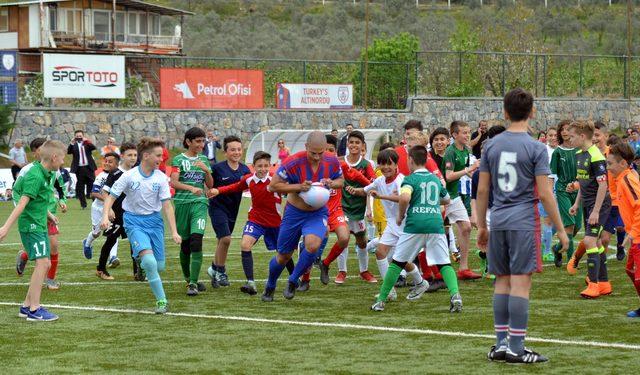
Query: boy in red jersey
[[264, 214]]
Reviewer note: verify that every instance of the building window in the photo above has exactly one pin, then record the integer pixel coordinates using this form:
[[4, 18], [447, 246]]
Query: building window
[[101, 23], [133, 23], [155, 24], [142, 30], [53, 19], [74, 21], [120, 17], [4, 20]]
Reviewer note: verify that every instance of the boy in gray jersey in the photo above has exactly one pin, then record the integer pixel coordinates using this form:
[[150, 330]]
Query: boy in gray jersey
[[517, 168]]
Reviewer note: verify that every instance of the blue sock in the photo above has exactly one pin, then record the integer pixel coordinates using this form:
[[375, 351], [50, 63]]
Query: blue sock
[[518, 320], [304, 262], [501, 317], [547, 235], [322, 246], [275, 269], [150, 266], [620, 236]]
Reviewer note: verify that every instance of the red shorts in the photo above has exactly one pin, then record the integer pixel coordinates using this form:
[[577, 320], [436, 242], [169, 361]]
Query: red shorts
[[336, 219], [52, 228], [633, 260]]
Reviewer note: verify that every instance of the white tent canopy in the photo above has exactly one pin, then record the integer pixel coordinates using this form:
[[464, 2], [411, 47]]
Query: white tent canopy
[[295, 140]]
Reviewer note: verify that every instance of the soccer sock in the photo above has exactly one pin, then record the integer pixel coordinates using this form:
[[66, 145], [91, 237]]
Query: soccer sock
[[105, 251], [593, 264], [150, 266], [222, 269], [247, 264], [54, 266], [196, 265], [24, 256], [603, 275], [546, 238], [383, 266], [185, 259], [415, 275], [307, 276], [290, 266], [275, 269], [305, 260], [323, 244], [450, 279], [335, 252], [389, 281], [620, 236], [92, 236], [518, 317], [636, 283], [500, 317], [571, 248], [342, 260], [363, 259]]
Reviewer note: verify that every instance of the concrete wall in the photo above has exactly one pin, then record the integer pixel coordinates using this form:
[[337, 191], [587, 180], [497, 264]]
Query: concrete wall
[[59, 123]]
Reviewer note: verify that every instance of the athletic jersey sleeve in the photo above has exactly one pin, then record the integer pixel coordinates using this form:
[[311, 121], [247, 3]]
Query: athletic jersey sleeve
[[336, 170], [109, 182], [375, 185], [285, 172], [449, 159], [599, 169], [237, 187], [541, 161], [354, 175], [630, 188], [369, 173], [98, 182], [32, 184], [165, 191]]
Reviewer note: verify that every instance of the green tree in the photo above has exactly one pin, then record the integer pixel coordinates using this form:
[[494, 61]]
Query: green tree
[[6, 122]]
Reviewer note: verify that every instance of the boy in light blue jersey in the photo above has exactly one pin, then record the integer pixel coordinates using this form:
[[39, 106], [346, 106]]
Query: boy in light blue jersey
[[147, 192]]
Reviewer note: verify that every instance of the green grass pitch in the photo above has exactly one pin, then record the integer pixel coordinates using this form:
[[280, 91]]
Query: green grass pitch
[[225, 331]]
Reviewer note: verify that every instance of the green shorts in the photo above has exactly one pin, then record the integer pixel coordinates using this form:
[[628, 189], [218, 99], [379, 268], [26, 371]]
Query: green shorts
[[36, 244], [565, 201], [191, 219]]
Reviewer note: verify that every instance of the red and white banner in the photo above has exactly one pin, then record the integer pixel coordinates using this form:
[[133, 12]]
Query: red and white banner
[[211, 89], [314, 96], [83, 76]]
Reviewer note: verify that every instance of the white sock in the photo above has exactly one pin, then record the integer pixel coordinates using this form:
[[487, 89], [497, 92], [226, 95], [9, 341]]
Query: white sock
[[114, 250], [416, 276], [372, 245], [363, 259], [452, 241], [383, 265], [342, 260], [92, 236]]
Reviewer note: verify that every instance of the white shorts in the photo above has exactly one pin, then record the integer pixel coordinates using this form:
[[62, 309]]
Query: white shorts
[[456, 211], [96, 216], [435, 246], [356, 226], [390, 236]]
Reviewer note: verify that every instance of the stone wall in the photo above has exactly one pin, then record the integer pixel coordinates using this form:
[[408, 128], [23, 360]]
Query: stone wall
[[59, 123]]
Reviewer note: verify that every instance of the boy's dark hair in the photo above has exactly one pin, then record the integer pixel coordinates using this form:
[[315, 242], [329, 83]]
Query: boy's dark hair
[[192, 134], [36, 143], [332, 140], [613, 139], [388, 156], [495, 130], [518, 103], [583, 127], [229, 139], [356, 134], [600, 125], [126, 146], [439, 131], [78, 131], [387, 145], [113, 155], [147, 144], [456, 125], [413, 124], [418, 154], [261, 155], [622, 151], [561, 125]]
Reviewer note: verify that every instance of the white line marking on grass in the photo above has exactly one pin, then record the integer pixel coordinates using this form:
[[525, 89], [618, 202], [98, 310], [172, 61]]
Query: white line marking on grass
[[428, 332]]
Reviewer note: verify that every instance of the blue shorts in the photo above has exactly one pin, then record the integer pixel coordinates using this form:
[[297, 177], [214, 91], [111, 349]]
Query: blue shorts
[[145, 232], [221, 221], [256, 231], [614, 220], [296, 223], [542, 211]]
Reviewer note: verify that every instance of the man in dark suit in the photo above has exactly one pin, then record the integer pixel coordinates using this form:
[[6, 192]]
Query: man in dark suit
[[342, 147], [82, 165], [211, 145]]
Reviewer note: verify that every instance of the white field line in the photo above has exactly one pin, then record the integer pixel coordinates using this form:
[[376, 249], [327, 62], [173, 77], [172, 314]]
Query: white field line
[[427, 332]]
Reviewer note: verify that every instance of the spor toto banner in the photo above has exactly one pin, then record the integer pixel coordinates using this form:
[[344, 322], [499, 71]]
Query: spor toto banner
[[312, 96], [83, 76], [210, 89]]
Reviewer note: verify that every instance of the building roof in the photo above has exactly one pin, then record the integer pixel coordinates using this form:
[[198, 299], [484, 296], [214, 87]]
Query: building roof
[[134, 4]]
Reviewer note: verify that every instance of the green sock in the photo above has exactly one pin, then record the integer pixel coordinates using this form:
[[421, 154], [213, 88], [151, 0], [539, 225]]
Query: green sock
[[196, 265], [450, 279], [389, 281], [184, 263], [570, 250]]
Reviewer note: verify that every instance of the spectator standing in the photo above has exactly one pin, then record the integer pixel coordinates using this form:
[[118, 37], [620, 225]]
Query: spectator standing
[[211, 145], [342, 147], [478, 137], [634, 141], [283, 151], [110, 147], [83, 165], [18, 158]]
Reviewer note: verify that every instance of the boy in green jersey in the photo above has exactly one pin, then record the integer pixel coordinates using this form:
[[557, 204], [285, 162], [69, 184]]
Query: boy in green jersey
[[190, 175], [35, 190], [421, 195]]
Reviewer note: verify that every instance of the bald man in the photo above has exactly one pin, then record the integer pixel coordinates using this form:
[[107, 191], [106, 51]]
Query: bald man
[[294, 176]]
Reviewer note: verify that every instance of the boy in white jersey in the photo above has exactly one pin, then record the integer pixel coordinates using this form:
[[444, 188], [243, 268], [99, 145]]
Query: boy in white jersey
[[110, 163], [147, 191]]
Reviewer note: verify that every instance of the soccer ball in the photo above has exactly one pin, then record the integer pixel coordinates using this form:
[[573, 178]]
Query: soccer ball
[[316, 197]]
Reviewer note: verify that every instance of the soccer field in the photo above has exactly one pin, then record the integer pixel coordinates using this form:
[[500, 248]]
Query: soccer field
[[108, 326]]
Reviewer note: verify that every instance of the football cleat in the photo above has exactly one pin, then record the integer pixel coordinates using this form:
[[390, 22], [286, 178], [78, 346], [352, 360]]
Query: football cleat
[[497, 353], [267, 296], [418, 290], [630, 314], [21, 263], [290, 291], [222, 278], [213, 275], [591, 292], [605, 288], [455, 305], [324, 273], [572, 266], [52, 284], [201, 287], [162, 307], [378, 306], [249, 288], [468, 275], [528, 356], [192, 290], [402, 282], [304, 286], [368, 277], [104, 275], [620, 253], [114, 262], [557, 255], [87, 249], [340, 277]]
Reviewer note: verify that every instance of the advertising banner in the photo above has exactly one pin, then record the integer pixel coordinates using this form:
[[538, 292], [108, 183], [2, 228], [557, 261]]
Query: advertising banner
[[211, 88], [83, 76], [314, 96], [8, 64]]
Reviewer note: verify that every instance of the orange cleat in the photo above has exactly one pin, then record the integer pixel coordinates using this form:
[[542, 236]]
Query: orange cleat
[[572, 267], [368, 277], [592, 291], [605, 288], [468, 275], [340, 277]]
